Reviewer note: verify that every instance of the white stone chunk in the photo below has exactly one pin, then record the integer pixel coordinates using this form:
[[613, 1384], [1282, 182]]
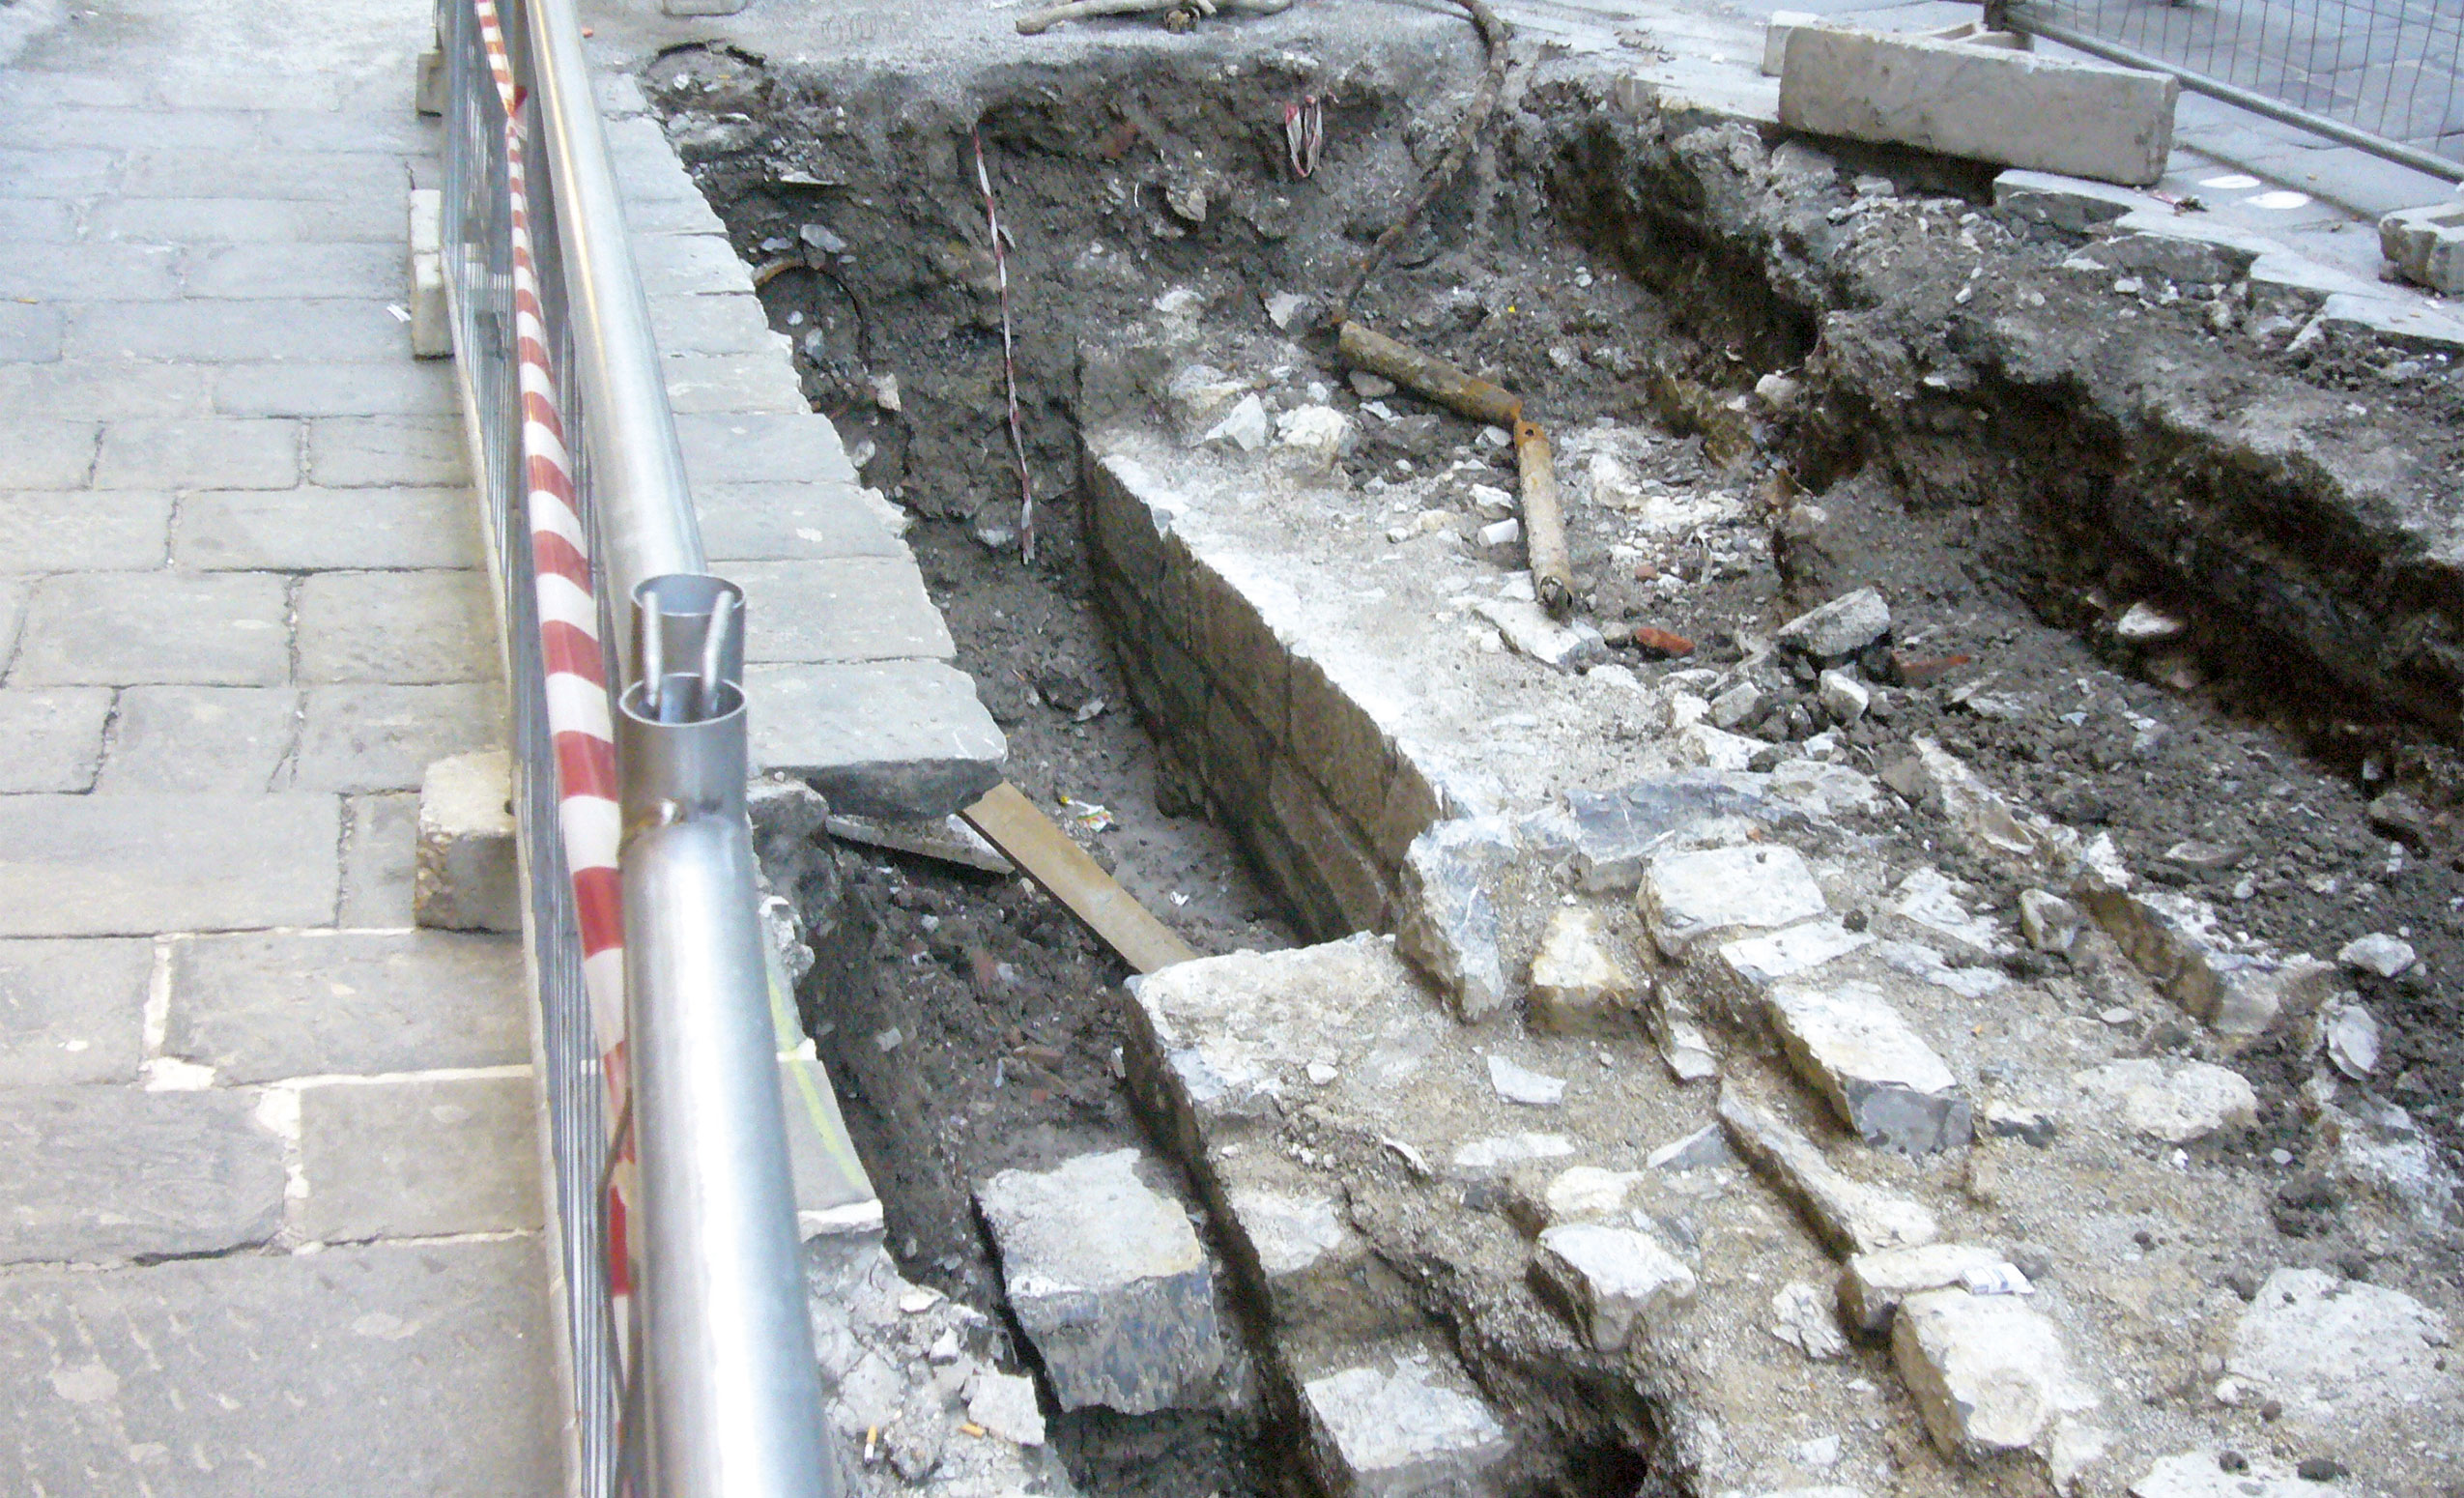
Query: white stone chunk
[[2049, 922], [1763, 961], [1589, 1191], [1988, 1374], [2352, 1041], [1400, 1434], [1879, 1075], [2326, 1345], [1003, 1403], [1290, 1234], [1124, 1317], [2198, 1475], [1931, 900], [1613, 1279], [2179, 1105], [1844, 697], [2378, 953], [1497, 1151], [1245, 426], [1852, 1215], [1578, 983], [1841, 627], [1521, 1084], [1686, 895], [2143, 623], [1801, 1316], [1872, 1285]]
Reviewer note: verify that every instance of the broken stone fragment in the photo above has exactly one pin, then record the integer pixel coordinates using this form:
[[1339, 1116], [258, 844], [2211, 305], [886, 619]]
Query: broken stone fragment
[[1844, 697], [2010, 1121], [1521, 1084], [1124, 1317], [2344, 1356], [1578, 984], [1985, 820], [2143, 625], [2049, 922], [1580, 1192], [1801, 1316], [1878, 1074], [2378, 953], [1003, 1403], [1400, 1434], [1705, 1147], [1446, 915], [2395, 814], [1686, 895], [466, 875], [1872, 1285], [1988, 1375], [1320, 433], [1527, 627], [1614, 831], [2352, 1041], [1199, 394], [1497, 1152], [1740, 703], [2180, 1105], [1610, 1280], [2175, 940], [1839, 629], [2203, 1475], [1245, 426], [1849, 1216]]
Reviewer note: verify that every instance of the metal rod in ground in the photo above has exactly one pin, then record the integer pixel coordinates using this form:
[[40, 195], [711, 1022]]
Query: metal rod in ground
[[1009, 354], [1543, 521], [1422, 374], [1062, 869]]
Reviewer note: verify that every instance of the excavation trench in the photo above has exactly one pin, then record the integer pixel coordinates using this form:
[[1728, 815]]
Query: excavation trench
[[1767, 389]]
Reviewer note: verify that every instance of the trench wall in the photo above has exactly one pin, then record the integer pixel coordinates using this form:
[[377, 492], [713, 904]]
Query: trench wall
[[1249, 720]]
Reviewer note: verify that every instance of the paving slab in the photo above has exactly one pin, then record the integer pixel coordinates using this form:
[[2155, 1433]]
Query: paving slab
[[52, 739], [394, 387], [396, 627], [199, 738], [205, 219], [46, 454], [30, 333], [380, 863], [714, 325], [77, 531], [312, 176], [262, 1007], [746, 446], [419, 1158], [904, 739], [89, 273], [122, 129], [56, 174], [731, 381], [118, 629], [382, 737], [102, 390], [96, 1176], [377, 1372], [208, 454], [790, 520], [222, 331], [344, 451], [335, 268], [133, 865], [849, 609], [318, 530], [73, 1011], [37, 221]]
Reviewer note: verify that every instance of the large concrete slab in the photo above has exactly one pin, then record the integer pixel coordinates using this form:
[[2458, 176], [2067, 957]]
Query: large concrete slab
[[407, 627], [76, 530], [789, 521], [904, 738], [71, 1011], [123, 629], [263, 1007], [375, 1371], [134, 865], [419, 1158], [853, 609], [100, 1174]]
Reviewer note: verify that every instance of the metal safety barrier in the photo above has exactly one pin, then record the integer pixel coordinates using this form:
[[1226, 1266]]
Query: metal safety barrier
[[2385, 76], [689, 1349]]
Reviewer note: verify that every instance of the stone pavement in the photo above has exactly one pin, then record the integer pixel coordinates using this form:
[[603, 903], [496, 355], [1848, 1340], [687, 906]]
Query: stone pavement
[[270, 1209]]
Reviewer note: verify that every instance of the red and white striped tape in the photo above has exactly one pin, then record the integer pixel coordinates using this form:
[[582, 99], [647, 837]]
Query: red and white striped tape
[[574, 662]]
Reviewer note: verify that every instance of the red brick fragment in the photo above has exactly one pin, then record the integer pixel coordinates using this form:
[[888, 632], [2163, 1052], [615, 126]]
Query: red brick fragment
[[1659, 644]]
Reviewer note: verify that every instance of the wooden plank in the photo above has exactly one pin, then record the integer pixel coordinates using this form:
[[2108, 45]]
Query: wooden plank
[[1062, 869]]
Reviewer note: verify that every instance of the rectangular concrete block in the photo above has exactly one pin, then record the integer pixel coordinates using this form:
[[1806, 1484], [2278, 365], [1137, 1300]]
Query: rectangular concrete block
[[1403, 1427], [723, 323], [227, 453], [101, 389], [206, 219], [2426, 245], [44, 454], [390, 386], [1686, 896], [350, 451], [424, 1369], [99, 1174], [132, 865], [702, 383], [896, 740], [469, 876], [752, 446], [71, 1011], [78, 531], [419, 1159], [215, 331], [788, 520], [264, 1007], [1878, 1074], [1989, 103], [1612, 1281], [52, 739]]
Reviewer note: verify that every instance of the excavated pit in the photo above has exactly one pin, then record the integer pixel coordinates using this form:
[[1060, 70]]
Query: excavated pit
[[1775, 377]]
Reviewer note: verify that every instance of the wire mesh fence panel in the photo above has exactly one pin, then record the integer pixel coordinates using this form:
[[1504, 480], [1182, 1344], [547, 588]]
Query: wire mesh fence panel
[[479, 266], [2393, 68]]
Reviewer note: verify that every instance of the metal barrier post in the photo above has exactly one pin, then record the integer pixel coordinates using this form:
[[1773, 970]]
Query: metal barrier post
[[733, 1391]]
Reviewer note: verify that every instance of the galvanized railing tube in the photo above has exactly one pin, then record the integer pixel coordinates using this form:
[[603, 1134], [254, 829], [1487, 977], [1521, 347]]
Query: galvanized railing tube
[[645, 520], [729, 1386], [732, 1390]]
